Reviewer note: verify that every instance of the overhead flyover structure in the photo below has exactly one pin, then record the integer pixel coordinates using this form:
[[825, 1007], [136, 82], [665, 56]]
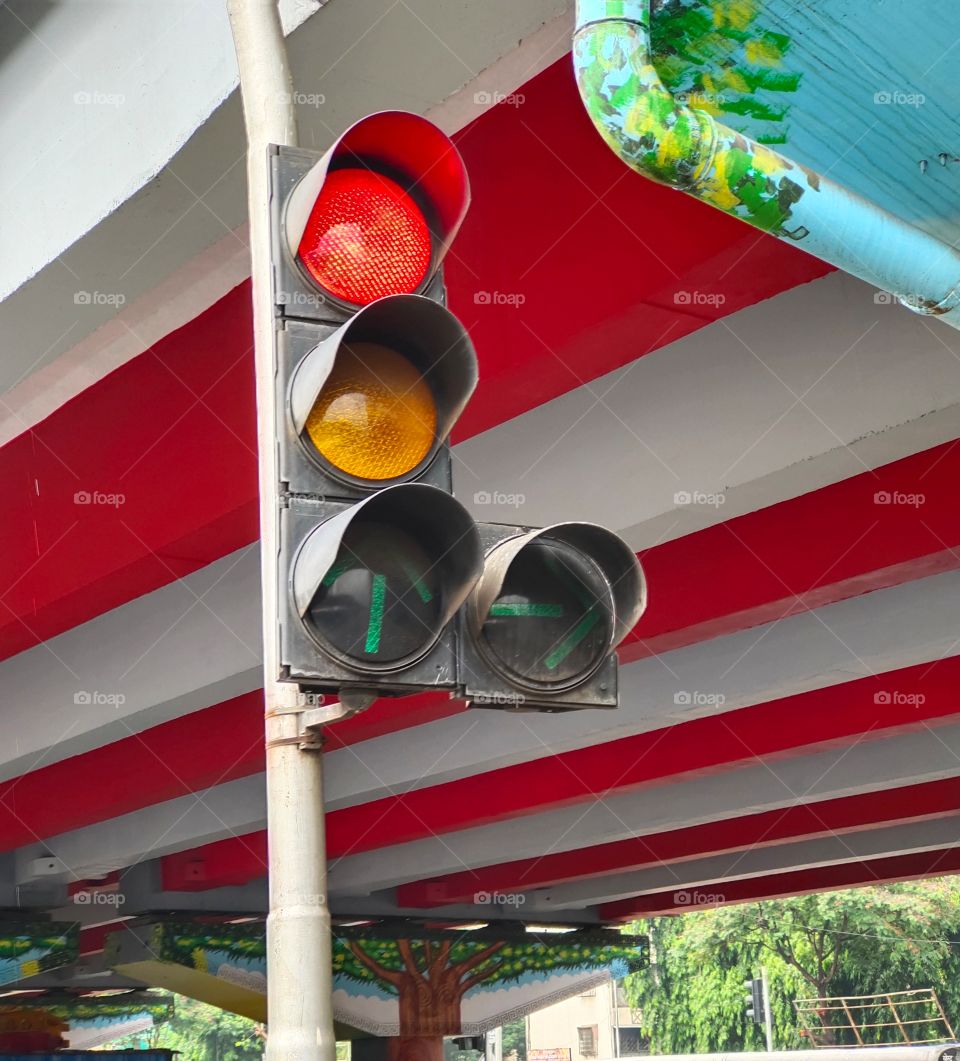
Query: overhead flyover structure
[[776, 439]]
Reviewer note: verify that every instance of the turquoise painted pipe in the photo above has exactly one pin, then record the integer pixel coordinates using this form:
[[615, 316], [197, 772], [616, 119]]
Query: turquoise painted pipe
[[688, 149]]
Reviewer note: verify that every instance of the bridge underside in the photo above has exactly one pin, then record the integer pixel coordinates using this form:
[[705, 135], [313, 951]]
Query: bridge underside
[[777, 443]]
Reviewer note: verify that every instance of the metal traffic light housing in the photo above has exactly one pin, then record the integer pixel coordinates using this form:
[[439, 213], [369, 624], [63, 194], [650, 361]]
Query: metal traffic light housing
[[374, 215], [371, 590], [543, 621], [403, 368]]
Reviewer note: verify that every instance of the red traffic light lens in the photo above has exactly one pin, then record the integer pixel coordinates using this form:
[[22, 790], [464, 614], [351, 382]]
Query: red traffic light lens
[[365, 238]]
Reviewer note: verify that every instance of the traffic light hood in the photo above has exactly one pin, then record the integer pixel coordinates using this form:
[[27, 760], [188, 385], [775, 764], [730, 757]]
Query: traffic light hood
[[403, 147], [439, 522], [615, 559], [421, 330]]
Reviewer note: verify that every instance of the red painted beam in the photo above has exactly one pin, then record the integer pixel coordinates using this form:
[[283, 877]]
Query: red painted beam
[[911, 803], [746, 561], [93, 939], [877, 529], [176, 758], [887, 870], [852, 711], [188, 402]]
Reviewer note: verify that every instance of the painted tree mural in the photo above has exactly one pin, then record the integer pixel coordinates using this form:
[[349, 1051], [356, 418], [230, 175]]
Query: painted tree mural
[[431, 977]]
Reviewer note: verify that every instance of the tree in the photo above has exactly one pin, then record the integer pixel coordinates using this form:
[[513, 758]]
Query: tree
[[202, 1033], [431, 977], [866, 940], [515, 1038]]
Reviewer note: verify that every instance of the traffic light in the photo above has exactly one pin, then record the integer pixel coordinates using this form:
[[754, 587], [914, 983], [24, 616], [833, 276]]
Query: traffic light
[[546, 615], [387, 585], [372, 372], [374, 216], [754, 1000]]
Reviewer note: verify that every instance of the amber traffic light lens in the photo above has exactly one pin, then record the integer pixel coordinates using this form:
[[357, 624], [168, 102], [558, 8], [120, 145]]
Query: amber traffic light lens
[[375, 417], [365, 238]]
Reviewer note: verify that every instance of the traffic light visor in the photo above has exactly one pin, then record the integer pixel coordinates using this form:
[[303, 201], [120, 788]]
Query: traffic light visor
[[376, 214], [553, 604], [374, 401], [376, 584]]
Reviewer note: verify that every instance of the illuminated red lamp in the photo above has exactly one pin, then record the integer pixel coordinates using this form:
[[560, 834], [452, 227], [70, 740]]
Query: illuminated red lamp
[[375, 216]]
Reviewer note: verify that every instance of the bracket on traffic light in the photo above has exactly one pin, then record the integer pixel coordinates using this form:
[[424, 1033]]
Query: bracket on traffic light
[[544, 619]]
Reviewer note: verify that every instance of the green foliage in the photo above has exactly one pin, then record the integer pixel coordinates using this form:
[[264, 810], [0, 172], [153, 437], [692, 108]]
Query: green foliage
[[515, 1038], [201, 1033], [861, 941], [506, 964]]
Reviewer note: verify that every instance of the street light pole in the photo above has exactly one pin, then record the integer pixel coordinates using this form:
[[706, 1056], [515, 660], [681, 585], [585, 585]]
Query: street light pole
[[299, 974]]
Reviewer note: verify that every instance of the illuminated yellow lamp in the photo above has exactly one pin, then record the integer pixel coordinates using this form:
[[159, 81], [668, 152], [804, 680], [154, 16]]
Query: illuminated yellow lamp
[[375, 417]]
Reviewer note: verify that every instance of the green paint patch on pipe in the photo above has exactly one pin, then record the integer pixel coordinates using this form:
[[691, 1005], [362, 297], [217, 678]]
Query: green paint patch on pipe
[[378, 598]]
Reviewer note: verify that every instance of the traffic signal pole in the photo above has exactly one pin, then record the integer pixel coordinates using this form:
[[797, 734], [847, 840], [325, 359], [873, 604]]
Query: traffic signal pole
[[299, 975]]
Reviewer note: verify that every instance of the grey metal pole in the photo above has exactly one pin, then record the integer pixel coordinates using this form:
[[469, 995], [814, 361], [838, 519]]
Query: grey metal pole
[[299, 974], [767, 1016]]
